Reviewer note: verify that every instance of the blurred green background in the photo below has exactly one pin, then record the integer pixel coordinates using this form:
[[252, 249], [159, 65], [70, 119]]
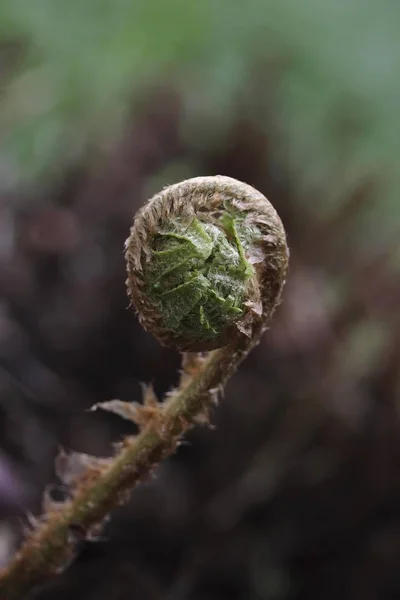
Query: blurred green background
[[296, 493]]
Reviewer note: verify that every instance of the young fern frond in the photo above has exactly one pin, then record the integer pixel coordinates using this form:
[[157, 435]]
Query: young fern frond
[[207, 260]]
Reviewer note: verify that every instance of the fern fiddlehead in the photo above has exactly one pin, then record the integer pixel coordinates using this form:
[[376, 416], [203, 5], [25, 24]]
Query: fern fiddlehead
[[207, 259]]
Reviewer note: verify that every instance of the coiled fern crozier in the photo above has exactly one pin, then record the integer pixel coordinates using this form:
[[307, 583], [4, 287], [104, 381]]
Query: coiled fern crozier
[[207, 260]]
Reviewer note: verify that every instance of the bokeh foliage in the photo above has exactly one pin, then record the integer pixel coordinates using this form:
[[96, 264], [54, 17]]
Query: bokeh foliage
[[325, 72]]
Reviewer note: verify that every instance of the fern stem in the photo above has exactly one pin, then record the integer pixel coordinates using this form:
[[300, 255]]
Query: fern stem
[[50, 547]]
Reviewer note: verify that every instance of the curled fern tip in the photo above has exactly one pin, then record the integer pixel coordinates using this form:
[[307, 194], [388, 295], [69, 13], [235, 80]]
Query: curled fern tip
[[206, 260]]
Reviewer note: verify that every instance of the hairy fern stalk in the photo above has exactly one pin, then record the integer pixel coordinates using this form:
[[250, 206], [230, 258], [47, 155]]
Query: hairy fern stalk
[[207, 260]]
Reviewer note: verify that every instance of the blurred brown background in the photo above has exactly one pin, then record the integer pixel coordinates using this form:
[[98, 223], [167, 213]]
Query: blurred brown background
[[296, 493]]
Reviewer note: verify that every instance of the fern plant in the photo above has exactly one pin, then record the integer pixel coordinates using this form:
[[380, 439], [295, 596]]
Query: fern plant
[[207, 260]]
